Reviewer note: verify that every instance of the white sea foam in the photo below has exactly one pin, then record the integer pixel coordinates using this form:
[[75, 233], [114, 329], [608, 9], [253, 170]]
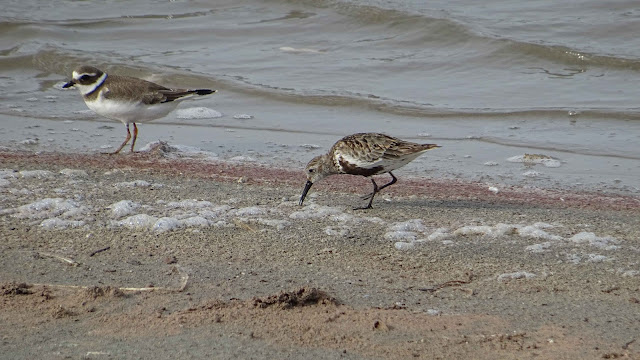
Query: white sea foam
[[314, 211], [545, 160], [242, 158], [139, 221], [198, 113], [250, 211], [166, 224], [535, 231], [630, 273], [516, 275], [409, 225], [401, 235], [331, 231], [190, 204], [29, 142], [57, 224], [123, 208], [135, 183], [73, 172], [48, 208], [531, 174], [40, 174], [488, 231], [290, 49], [195, 221], [538, 248], [596, 258], [404, 246], [439, 234], [214, 212], [590, 238]]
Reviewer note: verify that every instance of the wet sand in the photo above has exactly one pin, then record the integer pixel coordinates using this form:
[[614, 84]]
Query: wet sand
[[275, 280]]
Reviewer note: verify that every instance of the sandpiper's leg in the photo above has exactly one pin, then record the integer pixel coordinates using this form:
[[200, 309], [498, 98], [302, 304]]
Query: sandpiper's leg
[[393, 181], [135, 136], [125, 141], [373, 193]]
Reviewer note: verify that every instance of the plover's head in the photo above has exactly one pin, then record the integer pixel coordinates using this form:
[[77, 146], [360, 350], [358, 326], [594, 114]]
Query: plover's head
[[317, 169], [86, 79]]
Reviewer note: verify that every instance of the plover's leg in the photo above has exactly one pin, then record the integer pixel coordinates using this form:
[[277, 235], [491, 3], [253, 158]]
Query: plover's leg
[[373, 193], [135, 135], [125, 141]]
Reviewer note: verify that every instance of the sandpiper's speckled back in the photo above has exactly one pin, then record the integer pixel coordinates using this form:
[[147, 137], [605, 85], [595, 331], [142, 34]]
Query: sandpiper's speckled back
[[369, 154]]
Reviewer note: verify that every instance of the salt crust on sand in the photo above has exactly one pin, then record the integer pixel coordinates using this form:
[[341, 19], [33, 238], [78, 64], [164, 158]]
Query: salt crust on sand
[[162, 216], [409, 234]]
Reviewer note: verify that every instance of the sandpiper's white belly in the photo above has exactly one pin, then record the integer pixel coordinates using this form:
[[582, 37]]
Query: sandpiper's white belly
[[387, 164], [129, 112]]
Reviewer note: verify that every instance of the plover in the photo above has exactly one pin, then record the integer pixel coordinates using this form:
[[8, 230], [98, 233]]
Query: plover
[[364, 154], [127, 99]]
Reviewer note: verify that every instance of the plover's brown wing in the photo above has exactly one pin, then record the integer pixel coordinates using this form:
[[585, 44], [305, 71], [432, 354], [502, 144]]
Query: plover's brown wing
[[127, 89]]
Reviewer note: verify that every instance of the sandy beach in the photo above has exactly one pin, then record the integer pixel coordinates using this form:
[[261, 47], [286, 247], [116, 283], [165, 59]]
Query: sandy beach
[[149, 255]]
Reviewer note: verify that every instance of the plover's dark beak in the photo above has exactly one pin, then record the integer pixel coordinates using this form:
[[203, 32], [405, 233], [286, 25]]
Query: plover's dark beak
[[69, 84], [307, 186]]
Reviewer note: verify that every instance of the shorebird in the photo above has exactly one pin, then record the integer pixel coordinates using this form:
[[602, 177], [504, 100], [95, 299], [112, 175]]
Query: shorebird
[[127, 99], [364, 154]]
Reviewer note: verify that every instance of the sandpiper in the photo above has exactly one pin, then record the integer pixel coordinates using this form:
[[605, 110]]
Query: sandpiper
[[364, 154], [127, 99]]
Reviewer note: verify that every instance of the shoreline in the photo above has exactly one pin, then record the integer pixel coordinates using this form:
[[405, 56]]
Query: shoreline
[[146, 255], [262, 174]]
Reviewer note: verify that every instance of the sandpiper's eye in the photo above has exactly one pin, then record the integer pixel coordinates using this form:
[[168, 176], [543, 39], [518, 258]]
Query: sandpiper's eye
[[84, 77], [310, 170]]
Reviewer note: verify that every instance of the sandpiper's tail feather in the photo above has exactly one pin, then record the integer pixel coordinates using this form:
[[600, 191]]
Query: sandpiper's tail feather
[[430, 146]]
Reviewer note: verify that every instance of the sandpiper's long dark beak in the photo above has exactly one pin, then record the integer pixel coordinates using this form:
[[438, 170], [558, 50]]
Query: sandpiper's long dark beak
[[69, 84], [307, 186]]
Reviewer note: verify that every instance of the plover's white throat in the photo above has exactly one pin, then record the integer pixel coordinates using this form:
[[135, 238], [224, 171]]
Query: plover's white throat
[[127, 99], [364, 154]]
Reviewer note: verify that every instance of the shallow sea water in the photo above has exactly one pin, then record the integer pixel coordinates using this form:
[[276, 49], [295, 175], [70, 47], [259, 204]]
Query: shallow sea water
[[488, 81]]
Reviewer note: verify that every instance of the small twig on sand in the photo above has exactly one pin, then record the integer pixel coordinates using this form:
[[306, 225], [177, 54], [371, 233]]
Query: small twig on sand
[[184, 277], [61, 258], [449, 284], [183, 284], [99, 251], [626, 345], [244, 225]]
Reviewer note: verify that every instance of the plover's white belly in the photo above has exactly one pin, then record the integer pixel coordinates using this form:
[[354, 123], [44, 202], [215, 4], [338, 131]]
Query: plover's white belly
[[129, 112]]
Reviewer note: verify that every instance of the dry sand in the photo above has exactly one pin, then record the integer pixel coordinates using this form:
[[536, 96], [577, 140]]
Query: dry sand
[[325, 287]]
